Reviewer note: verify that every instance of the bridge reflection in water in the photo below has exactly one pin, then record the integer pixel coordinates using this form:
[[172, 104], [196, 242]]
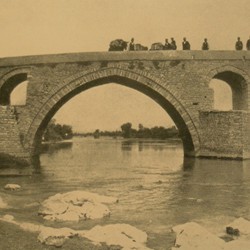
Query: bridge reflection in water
[[157, 186]]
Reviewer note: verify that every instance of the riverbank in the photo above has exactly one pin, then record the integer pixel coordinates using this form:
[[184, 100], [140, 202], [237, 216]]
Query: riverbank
[[112, 236], [189, 236], [13, 238]]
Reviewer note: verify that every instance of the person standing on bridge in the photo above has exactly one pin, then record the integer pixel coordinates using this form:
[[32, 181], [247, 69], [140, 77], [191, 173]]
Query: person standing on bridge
[[185, 44], [167, 45], [131, 45], [173, 44], [205, 45], [238, 44], [248, 44]]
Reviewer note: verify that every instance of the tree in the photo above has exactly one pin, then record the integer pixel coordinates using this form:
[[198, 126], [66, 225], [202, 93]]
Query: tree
[[140, 126], [126, 129], [97, 133], [57, 132], [66, 132]]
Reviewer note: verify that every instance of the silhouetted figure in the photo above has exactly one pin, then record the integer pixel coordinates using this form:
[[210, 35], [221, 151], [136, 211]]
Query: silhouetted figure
[[167, 45], [205, 45], [131, 45], [248, 44], [173, 44], [185, 44], [239, 44]]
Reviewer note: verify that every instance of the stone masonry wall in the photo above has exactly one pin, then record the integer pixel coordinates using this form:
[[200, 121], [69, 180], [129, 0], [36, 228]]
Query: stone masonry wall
[[182, 77], [225, 134], [10, 140]]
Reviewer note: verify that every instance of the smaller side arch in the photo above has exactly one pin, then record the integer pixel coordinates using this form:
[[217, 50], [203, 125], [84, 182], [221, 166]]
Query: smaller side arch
[[238, 80], [10, 81]]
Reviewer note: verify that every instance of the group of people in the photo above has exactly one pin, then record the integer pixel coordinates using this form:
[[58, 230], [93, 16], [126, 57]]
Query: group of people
[[186, 45], [239, 44]]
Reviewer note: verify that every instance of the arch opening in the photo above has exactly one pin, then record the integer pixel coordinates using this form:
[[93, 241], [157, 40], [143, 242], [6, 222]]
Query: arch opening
[[182, 121], [14, 90], [222, 95], [237, 99]]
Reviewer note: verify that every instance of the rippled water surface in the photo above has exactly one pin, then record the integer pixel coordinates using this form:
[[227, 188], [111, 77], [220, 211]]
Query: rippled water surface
[[157, 188]]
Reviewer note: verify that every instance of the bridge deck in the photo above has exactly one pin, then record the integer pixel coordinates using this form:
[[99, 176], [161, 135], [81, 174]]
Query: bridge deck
[[125, 56]]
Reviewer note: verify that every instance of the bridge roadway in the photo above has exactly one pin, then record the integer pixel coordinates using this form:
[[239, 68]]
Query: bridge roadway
[[159, 55]]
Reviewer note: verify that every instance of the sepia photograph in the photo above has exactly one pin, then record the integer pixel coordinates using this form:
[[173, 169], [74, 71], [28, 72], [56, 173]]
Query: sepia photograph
[[125, 125]]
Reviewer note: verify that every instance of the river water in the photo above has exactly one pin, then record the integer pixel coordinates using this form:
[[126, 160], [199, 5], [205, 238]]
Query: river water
[[157, 187]]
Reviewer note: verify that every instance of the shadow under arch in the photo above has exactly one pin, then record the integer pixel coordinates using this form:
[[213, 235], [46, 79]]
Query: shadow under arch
[[238, 81], [141, 83]]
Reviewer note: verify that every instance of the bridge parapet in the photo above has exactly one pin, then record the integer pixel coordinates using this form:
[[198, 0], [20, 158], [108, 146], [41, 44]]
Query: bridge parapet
[[125, 56]]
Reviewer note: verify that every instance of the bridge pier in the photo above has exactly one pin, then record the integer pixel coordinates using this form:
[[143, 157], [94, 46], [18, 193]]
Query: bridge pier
[[11, 148], [225, 134]]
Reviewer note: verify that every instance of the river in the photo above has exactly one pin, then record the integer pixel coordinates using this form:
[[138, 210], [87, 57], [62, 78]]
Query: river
[[157, 187]]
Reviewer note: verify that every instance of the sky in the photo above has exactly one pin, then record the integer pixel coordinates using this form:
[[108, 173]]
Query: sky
[[31, 27]]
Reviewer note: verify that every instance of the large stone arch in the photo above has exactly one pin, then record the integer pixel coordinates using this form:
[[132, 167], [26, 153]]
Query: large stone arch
[[10, 81], [138, 80], [238, 80]]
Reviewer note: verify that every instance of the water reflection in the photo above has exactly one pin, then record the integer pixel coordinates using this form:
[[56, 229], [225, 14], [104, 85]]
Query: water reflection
[[126, 145], [213, 188], [156, 185], [145, 144], [51, 148]]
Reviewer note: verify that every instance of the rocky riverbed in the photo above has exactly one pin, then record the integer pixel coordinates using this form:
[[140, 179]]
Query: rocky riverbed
[[77, 207], [192, 236], [118, 236]]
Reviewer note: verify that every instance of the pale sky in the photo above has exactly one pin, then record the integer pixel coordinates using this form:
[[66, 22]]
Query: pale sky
[[30, 27]]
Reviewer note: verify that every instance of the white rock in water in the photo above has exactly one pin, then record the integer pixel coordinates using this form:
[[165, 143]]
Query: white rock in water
[[55, 236], [75, 205], [30, 227], [122, 235], [68, 216], [3, 204], [12, 187], [241, 224], [191, 236], [8, 217], [91, 210], [79, 197], [52, 206], [237, 245]]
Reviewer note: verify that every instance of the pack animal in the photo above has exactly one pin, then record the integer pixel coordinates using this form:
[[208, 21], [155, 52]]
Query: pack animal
[[157, 46], [118, 45], [139, 47]]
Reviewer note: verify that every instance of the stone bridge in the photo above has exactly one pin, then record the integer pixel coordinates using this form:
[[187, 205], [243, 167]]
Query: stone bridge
[[177, 80]]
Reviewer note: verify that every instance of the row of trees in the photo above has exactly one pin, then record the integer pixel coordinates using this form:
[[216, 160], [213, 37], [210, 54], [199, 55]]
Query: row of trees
[[142, 132], [57, 132]]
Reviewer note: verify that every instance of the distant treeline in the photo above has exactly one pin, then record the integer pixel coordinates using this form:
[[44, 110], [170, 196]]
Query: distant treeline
[[57, 132], [142, 132]]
